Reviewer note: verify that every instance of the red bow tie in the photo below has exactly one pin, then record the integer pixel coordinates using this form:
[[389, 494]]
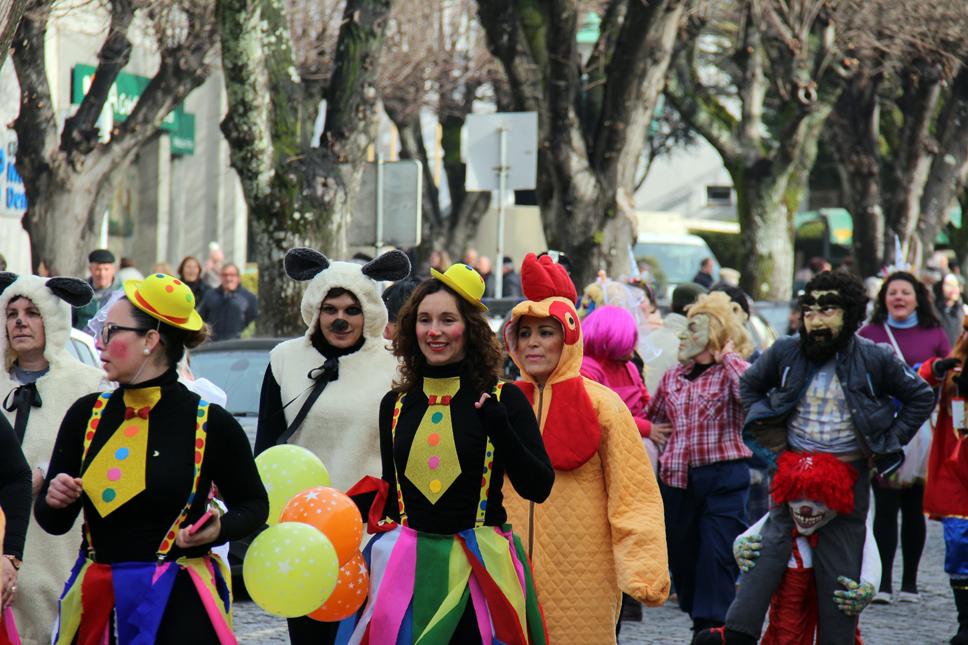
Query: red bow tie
[[130, 413]]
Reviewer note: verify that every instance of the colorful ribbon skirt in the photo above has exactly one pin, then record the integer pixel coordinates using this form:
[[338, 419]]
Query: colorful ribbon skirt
[[421, 584], [137, 594]]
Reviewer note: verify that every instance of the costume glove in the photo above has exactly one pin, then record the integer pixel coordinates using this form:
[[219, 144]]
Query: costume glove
[[746, 550], [857, 596], [940, 367]]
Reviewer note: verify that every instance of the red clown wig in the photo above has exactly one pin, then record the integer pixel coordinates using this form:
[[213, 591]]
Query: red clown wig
[[815, 476]]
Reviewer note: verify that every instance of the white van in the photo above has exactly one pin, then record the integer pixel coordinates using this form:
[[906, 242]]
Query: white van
[[673, 257]]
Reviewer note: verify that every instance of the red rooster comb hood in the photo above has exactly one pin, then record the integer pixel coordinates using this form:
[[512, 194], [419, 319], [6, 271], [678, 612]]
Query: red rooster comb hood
[[543, 278], [815, 476], [568, 420]]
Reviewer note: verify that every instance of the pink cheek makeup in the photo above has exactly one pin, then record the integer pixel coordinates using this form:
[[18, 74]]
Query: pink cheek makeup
[[118, 349]]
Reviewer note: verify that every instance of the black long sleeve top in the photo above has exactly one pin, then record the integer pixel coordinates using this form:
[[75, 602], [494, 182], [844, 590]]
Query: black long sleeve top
[[14, 490], [518, 451], [134, 531]]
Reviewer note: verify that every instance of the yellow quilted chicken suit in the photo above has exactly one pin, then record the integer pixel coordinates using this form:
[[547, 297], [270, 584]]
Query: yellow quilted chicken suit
[[602, 530]]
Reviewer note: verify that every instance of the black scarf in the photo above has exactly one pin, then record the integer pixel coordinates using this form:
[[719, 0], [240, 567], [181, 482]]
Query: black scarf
[[22, 399]]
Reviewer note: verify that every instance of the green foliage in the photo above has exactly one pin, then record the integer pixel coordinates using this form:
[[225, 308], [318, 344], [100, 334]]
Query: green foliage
[[534, 25], [250, 278]]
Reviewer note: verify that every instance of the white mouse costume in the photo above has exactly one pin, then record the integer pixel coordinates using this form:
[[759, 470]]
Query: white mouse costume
[[341, 426], [47, 558]]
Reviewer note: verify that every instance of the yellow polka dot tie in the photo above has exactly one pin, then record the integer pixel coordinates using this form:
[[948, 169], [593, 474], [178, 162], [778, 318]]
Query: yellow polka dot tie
[[433, 465], [117, 472]]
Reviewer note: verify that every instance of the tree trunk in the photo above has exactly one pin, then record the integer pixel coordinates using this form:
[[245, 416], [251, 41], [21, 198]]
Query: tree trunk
[[9, 20], [587, 135], [907, 172], [950, 163], [76, 207], [767, 226], [855, 139], [297, 195]]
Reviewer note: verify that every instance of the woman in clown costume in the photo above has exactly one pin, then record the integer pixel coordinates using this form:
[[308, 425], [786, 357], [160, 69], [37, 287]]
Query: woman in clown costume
[[601, 530], [139, 462], [446, 568]]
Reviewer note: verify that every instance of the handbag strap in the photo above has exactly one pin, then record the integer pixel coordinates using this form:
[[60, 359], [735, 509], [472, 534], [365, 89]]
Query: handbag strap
[[897, 348]]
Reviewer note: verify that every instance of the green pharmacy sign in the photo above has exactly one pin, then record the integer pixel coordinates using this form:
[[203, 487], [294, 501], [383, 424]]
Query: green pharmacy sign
[[124, 95]]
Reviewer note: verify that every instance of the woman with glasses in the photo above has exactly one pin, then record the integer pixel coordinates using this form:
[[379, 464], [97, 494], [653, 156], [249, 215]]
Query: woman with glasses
[[140, 462], [39, 381]]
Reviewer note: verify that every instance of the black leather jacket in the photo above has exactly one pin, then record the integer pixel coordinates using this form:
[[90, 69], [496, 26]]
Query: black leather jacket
[[870, 376]]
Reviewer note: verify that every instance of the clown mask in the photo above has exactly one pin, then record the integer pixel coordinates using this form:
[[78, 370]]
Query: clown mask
[[694, 339], [810, 515]]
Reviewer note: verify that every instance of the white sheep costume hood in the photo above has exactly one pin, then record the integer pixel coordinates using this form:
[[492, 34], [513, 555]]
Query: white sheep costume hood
[[47, 558], [342, 427]]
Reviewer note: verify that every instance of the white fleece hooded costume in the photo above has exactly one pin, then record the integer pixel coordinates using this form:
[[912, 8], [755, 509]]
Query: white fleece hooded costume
[[341, 428], [47, 558]]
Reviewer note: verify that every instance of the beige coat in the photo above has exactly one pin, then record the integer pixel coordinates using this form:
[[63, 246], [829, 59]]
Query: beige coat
[[602, 530], [47, 558]]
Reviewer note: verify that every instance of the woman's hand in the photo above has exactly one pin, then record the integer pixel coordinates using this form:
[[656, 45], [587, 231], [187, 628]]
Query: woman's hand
[[660, 434], [728, 348], [480, 403], [8, 583], [64, 490], [206, 535], [37, 481]]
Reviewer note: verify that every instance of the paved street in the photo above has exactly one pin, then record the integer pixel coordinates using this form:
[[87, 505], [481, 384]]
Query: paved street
[[931, 622]]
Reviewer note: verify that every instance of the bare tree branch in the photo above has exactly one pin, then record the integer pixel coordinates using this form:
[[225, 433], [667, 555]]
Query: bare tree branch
[[80, 134], [36, 126], [10, 17]]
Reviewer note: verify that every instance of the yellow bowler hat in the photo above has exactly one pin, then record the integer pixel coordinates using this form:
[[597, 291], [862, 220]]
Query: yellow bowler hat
[[463, 279], [165, 298]]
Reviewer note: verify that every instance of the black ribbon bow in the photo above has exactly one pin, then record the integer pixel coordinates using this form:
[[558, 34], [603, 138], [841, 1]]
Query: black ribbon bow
[[21, 399]]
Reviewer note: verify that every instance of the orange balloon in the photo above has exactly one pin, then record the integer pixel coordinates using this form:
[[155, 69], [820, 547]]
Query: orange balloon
[[352, 586], [333, 513]]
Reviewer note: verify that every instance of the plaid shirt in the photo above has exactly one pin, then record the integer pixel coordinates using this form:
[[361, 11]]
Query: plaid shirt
[[706, 417]]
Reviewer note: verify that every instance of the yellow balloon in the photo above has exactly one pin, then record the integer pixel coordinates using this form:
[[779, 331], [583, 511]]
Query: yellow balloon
[[290, 569], [286, 471]]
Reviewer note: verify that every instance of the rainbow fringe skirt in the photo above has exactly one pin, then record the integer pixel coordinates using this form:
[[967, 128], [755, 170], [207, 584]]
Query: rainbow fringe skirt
[[420, 584]]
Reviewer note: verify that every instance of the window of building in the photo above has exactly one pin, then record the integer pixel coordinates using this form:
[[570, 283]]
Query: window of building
[[719, 195]]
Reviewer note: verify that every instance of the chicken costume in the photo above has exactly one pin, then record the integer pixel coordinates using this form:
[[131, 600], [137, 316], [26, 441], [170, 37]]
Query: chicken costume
[[40, 407], [601, 531]]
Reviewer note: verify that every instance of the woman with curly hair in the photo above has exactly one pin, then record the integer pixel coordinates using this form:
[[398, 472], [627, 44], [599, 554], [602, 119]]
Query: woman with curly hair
[[445, 562], [904, 317]]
